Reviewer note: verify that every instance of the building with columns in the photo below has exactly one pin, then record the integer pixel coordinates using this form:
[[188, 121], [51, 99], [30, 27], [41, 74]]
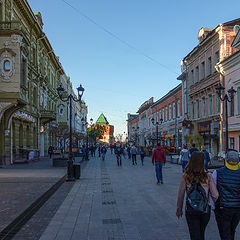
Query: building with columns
[[29, 75]]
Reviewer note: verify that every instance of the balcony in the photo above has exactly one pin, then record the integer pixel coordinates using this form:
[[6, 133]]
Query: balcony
[[10, 26], [47, 116]]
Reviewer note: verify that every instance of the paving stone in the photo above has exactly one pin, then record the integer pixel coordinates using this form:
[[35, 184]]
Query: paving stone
[[142, 210]]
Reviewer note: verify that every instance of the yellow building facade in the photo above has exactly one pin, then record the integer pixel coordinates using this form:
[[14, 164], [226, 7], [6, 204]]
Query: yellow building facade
[[29, 75]]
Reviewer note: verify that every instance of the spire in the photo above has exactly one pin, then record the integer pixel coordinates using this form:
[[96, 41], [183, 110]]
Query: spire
[[102, 119]]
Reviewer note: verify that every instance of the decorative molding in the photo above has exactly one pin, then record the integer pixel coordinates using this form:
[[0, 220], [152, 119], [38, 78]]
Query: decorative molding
[[17, 39], [7, 56]]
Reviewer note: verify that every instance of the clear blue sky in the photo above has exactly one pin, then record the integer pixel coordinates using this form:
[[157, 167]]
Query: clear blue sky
[[117, 78]]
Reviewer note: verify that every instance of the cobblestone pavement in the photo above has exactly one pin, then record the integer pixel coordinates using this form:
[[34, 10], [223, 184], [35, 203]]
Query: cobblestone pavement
[[116, 203], [21, 185]]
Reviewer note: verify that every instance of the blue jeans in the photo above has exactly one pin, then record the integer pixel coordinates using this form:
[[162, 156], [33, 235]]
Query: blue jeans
[[103, 156], [184, 163], [158, 168]]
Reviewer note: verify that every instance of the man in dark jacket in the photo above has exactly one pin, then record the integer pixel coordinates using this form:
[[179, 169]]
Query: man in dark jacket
[[158, 159], [227, 209]]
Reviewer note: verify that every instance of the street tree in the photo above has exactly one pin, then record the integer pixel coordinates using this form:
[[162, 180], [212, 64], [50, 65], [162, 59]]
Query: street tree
[[95, 132]]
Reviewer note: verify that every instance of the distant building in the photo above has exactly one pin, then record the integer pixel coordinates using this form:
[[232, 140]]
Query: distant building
[[109, 130]]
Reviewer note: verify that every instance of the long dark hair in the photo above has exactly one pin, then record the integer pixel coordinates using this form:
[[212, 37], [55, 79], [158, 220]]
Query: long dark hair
[[195, 170]]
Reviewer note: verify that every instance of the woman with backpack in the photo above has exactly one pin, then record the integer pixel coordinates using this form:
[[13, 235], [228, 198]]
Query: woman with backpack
[[198, 185]]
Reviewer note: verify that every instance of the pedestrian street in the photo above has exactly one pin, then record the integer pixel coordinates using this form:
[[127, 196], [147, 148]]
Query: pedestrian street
[[111, 202]]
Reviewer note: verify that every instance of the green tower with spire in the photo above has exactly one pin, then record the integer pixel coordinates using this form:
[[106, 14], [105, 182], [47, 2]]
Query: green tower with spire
[[102, 120]]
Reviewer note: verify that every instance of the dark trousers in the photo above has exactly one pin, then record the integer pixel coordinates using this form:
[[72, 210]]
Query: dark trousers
[[197, 225], [227, 221], [134, 159], [119, 159], [142, 158]]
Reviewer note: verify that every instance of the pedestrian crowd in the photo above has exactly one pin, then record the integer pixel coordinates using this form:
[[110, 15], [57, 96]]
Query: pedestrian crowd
[[203, 192]]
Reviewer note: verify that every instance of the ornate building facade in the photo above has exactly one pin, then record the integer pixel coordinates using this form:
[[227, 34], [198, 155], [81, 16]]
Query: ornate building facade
[[29, 75]]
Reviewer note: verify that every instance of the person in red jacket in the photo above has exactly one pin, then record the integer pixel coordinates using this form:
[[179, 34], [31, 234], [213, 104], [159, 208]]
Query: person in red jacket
[[159, 159]]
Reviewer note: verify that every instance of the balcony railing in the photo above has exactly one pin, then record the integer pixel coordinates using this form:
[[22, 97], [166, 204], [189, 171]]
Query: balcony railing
[[47, 116], [10, 26]]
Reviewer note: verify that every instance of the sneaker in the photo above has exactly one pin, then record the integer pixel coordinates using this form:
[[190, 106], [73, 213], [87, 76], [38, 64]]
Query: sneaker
[[158, 183], [161, 182]]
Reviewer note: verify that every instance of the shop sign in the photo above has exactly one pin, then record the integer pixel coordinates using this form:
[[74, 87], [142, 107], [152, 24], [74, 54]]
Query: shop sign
[[204, 126]]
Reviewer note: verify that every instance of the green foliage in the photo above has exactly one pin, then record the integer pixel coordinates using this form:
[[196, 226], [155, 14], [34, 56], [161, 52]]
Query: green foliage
[[96, 132], [197, 139]]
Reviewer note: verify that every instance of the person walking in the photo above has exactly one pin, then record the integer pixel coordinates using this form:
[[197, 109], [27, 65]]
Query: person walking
[[118, 153], [103, 152], [159, 159], [134, 155], [207, 157], [84, 153], [198, 185], [192, 149], [227, 208], [50, 151], [129, 152], [184, 157], [142, 154], [99, 150]]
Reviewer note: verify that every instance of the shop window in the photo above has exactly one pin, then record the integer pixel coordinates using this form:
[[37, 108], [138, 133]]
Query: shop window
[[21, 136], [232, 145]]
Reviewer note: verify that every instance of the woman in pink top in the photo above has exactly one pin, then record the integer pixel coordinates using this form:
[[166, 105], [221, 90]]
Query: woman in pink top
[[195, 172]]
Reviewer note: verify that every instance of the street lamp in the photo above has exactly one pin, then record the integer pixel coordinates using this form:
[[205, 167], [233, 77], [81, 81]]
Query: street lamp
[[70, 98], [85, 123], [225, 98], [156, 124]]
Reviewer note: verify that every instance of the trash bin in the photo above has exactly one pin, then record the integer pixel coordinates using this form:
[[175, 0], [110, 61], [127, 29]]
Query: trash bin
[[77, 170]]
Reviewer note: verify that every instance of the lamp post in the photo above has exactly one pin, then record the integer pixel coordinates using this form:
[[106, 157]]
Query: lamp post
[[70, 98], [225, 98], [156, 124]]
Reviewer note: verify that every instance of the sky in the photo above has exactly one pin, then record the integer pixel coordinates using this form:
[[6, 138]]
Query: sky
[[125, 51]]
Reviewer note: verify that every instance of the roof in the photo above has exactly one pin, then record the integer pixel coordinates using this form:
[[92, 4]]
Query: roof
[[102, 119]]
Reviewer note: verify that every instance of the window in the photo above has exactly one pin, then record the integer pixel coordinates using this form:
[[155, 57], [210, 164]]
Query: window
[[170, 112], [174, 110], [204, 107], [217, 58], [203, 70], [218, 104], [6, 66], [23, 71], [35, 97], [231, 108], [163, 114], [232, 145], [210, 105], [197, 74], [192, 76], [185, 103], [198, 109], [178, 107], [238, 100], [209, 66], [166, 113]]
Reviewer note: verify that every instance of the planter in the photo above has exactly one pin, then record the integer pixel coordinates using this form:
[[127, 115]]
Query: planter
[[59, 162]]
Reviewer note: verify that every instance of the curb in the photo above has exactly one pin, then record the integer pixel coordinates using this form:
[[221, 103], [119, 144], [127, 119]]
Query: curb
[[9, 231]]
